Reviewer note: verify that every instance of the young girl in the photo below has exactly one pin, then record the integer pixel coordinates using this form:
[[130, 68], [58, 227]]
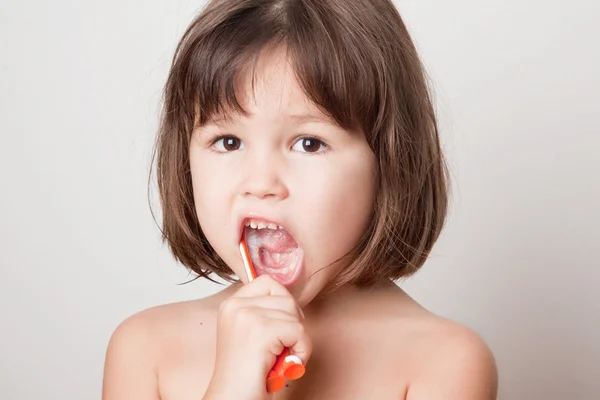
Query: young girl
[[304, 127]]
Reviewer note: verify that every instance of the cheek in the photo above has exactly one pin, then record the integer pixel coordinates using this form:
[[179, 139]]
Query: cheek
[[208, 200], [210, 184], [338, 208], [202, 185]]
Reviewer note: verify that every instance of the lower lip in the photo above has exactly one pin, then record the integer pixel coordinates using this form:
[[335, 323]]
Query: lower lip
[[285, 279]]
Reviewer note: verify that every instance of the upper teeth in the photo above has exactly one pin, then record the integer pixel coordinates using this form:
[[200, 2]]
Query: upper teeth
[[254, 224]]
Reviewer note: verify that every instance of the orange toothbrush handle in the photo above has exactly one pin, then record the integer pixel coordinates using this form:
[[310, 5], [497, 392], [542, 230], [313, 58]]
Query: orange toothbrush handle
[[286, 365]]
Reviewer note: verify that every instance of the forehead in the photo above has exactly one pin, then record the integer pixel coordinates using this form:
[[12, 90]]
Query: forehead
[[270, 91]]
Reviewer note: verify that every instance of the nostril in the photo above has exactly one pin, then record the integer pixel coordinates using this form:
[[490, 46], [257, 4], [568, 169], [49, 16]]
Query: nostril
[[264, 185]]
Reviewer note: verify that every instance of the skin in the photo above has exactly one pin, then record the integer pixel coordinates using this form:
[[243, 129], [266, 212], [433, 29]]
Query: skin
[[364, 344], [275, 173]]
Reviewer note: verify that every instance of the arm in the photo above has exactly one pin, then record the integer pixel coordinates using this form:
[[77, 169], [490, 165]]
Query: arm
[[463, 368], [129, 371]]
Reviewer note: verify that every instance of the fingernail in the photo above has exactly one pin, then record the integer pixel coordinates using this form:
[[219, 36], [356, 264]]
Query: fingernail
[[301, 312]]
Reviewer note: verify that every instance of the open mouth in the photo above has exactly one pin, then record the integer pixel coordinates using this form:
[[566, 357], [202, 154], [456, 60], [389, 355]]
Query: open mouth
[[273, 251]]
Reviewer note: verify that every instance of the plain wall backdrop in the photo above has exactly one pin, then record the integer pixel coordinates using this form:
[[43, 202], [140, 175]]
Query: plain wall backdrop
[[518, 94]]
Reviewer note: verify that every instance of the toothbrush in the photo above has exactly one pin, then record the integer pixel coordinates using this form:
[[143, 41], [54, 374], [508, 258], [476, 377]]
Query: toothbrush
[[286, 365]]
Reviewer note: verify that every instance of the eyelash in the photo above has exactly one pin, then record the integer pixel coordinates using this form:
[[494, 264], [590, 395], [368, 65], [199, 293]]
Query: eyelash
[[214, 140]]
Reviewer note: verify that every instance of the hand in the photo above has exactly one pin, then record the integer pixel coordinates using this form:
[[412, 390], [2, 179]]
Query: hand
[[253, 327]]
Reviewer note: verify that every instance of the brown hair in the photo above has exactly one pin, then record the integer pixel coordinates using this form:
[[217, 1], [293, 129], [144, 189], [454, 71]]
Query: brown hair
[[356, 61]]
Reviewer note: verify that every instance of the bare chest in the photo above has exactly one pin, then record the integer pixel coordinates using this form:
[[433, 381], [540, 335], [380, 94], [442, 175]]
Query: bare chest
[[343, 369], [318, 384]]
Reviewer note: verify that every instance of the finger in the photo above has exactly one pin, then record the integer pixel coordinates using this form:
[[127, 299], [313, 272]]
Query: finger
[[264, 285], [292, 335], [269, 315], [302, 348], [283, 303]]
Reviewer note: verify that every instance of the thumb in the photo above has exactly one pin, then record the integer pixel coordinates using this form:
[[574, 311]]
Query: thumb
[[302, 348]]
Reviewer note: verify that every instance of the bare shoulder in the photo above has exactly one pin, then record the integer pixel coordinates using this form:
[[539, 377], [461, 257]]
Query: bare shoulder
[[138, 346], [451, 361], [424, 356]]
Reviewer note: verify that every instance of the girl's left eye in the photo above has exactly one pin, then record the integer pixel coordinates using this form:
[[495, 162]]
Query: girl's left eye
[[309, 145]]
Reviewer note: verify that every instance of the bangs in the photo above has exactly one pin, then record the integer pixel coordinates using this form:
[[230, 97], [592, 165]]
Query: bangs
[[336, 73]]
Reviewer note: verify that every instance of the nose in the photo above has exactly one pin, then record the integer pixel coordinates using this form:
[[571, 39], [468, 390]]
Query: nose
[[263, 177]]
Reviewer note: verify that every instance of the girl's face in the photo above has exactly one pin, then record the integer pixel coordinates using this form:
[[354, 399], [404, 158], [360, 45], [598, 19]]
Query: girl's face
[[285, 164]]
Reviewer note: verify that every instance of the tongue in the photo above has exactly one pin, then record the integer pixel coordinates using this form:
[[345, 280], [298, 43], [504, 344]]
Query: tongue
[[271, 249]]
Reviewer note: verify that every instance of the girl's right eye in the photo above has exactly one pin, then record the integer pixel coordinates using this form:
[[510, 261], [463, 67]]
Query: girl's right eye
[[225, 144]]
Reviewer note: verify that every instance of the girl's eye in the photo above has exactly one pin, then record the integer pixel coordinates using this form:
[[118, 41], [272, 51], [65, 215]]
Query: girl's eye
[[225, 144], [309, 145]]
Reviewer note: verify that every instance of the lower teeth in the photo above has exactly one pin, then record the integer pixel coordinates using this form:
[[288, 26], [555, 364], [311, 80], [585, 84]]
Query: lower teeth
[[255, 256], [282, 271]]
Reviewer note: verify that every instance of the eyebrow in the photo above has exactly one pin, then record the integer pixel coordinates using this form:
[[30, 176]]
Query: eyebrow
[[310, 117], [218, 119], [300, 118]]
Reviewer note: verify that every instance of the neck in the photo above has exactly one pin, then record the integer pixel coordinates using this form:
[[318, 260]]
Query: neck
[[347, 298], [336, 301]]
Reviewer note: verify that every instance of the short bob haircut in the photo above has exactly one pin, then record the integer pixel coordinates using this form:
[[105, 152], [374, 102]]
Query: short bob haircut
[[356, 61]]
